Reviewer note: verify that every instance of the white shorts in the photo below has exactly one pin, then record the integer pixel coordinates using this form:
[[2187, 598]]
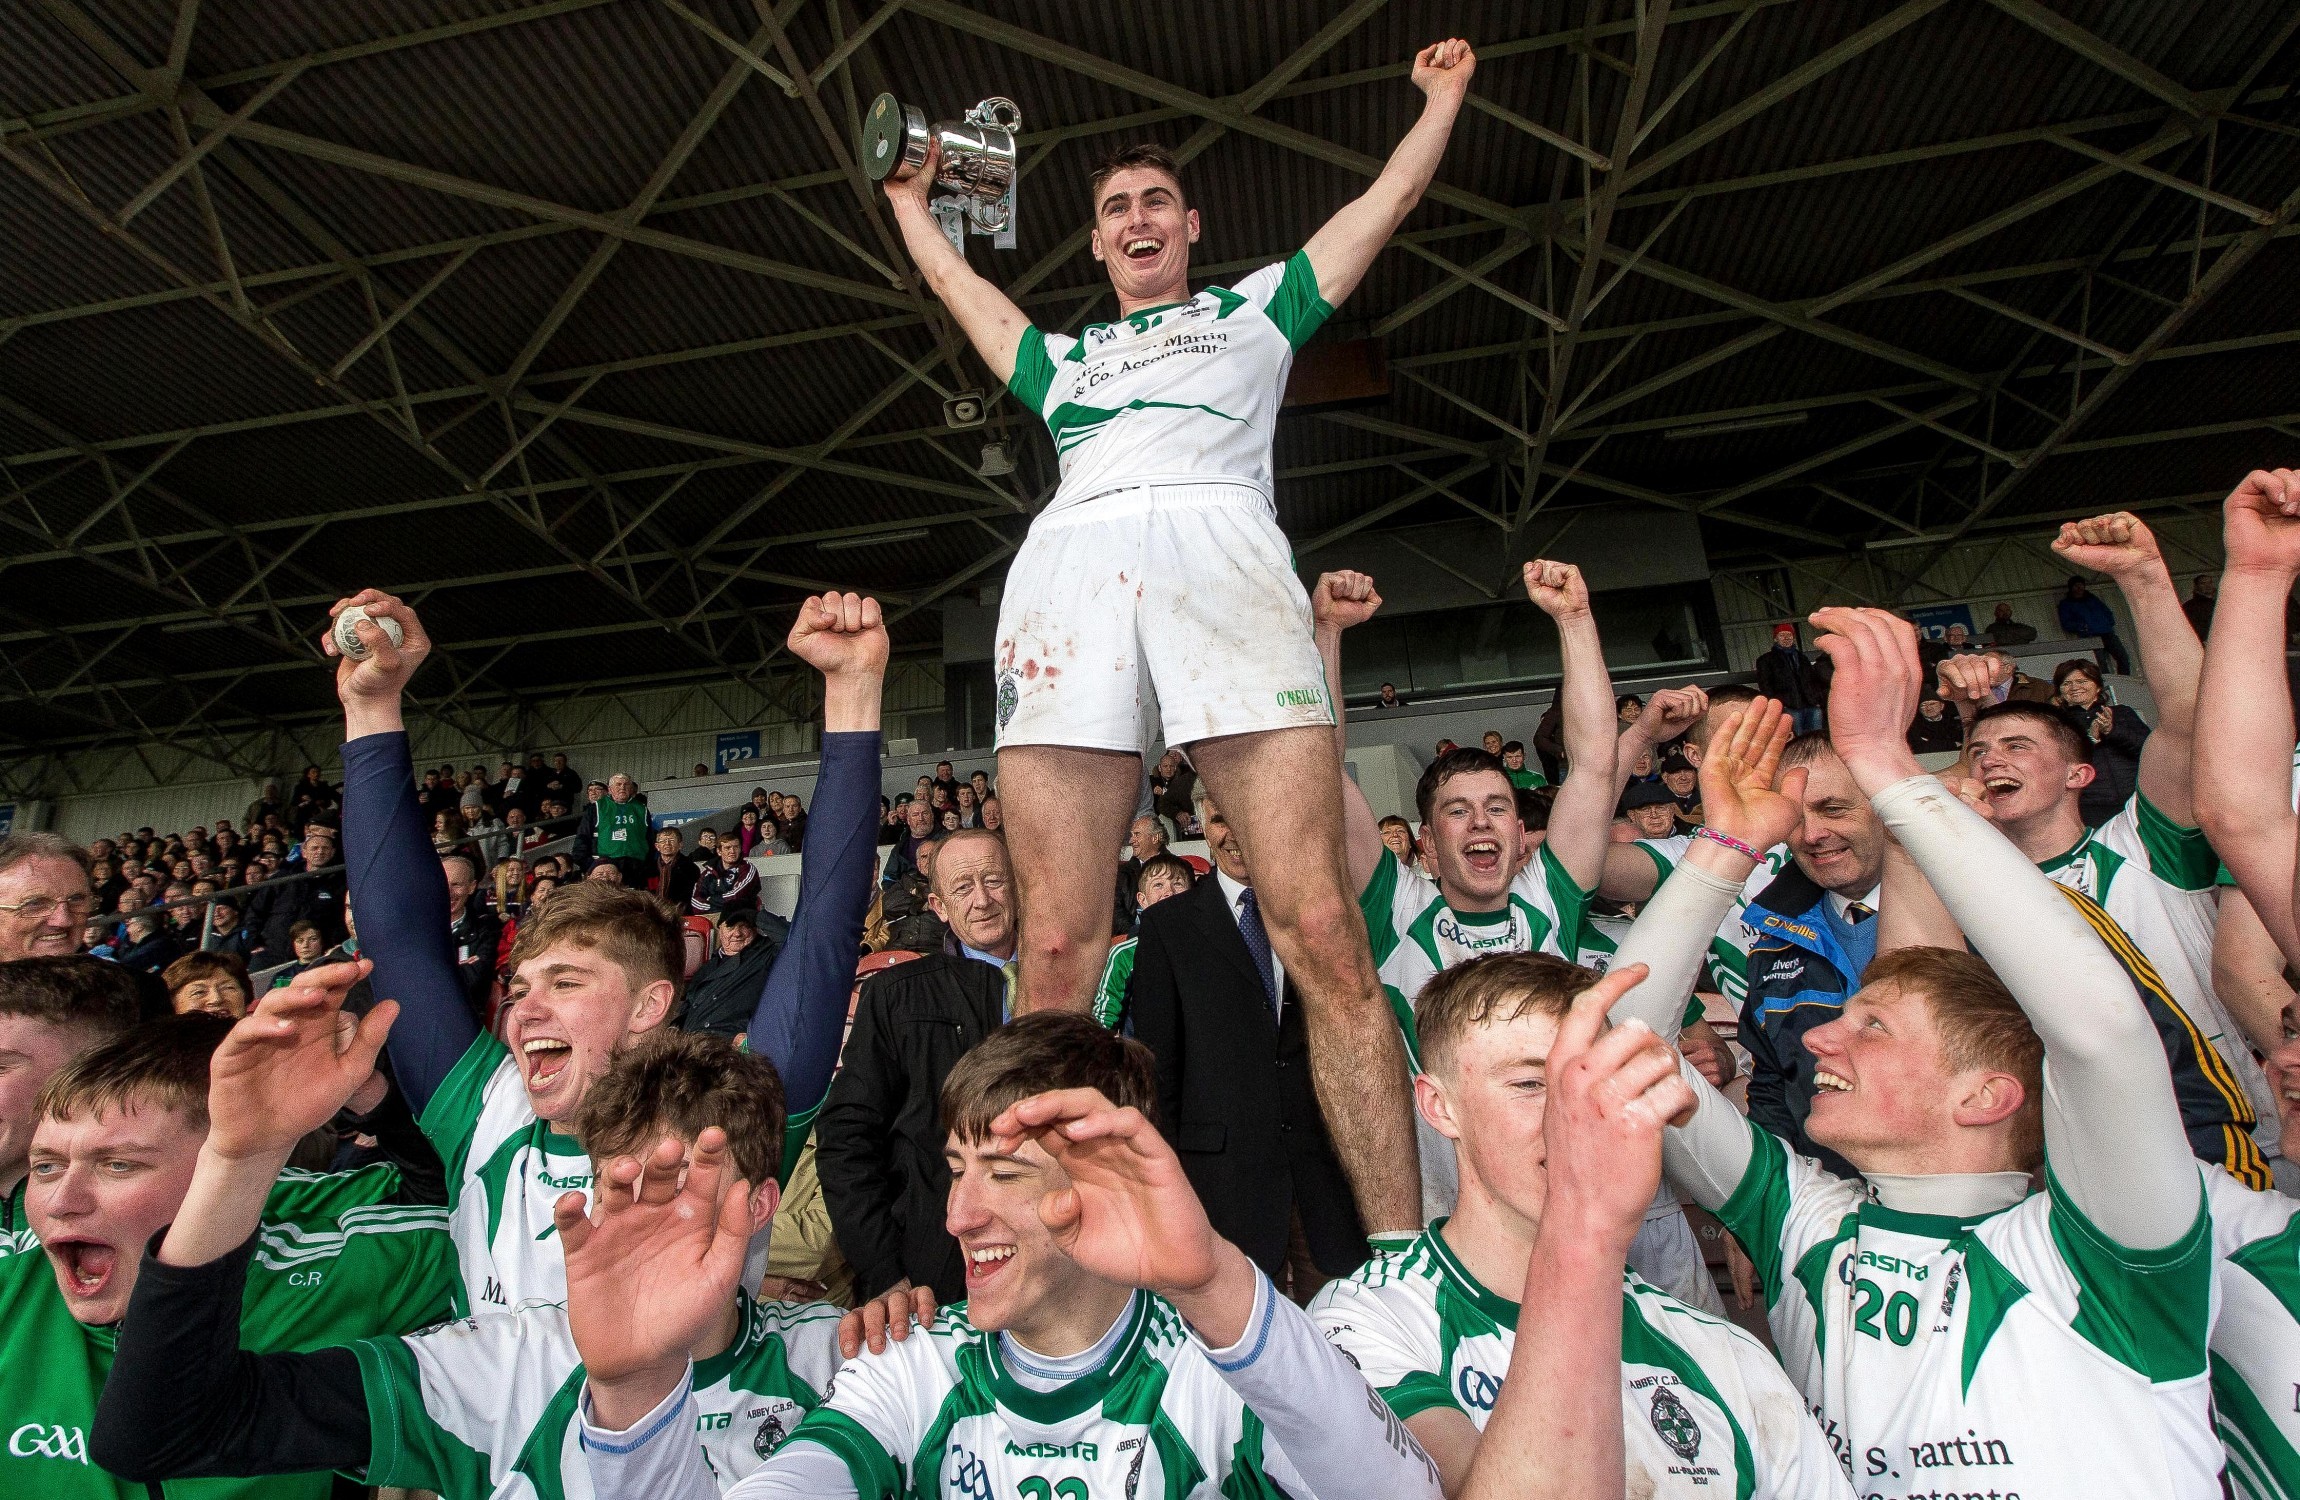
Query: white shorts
[[1178, 600]]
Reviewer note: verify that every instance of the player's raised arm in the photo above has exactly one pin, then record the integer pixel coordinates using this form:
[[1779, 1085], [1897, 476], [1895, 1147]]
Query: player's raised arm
[[800, 1018], [1555, 1432], [1746, 815], [2112, 1124], [2122, 546], [1343, 599], [989, 318], [2244, 728], [1581, 819], [1630, 874], [393, 871], [1341, 251]]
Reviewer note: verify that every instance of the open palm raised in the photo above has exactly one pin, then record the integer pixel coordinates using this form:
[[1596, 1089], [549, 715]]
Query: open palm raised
[[647, 1275], [1739, 795], [1129, 1214]]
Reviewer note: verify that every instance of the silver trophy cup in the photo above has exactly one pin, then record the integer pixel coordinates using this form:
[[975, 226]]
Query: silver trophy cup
[[975, 181]]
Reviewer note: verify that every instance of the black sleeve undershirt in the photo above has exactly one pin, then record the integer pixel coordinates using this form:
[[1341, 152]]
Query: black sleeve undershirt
[[184, 1400]]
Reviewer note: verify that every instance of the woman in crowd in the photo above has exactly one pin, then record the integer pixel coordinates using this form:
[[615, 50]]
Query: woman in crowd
[[748, 834], [2116, 732], [213, 982]]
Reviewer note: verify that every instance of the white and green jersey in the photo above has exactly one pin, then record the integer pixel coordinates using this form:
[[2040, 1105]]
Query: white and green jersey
[[505, 1170], [334, 1262], [942, 1417], [2156, 878], [486, 1406], [1117, 973], [2256, 1336], [1416, 935], [1727, 967], [1184, 394], [1706, 1412], [2020, 1351]]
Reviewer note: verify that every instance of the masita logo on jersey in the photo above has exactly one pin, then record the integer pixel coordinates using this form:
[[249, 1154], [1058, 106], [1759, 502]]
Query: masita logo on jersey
[[38, 1440]]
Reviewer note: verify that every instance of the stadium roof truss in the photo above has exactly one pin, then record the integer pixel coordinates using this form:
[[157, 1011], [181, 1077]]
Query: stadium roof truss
[[577, 322]]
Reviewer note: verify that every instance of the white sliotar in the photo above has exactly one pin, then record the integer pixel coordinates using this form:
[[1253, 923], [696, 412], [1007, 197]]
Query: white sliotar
[[347, 637]]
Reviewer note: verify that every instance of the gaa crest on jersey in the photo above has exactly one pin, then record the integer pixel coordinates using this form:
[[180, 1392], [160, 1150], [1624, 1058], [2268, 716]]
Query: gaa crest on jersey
[[1008, 695], [1675, 1424]]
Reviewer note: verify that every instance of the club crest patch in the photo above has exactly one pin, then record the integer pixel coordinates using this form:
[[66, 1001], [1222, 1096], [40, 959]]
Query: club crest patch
[[1008, 694], [1675, 1424]]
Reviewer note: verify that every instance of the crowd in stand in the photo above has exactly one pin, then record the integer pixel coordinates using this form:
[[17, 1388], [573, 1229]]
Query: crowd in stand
[[1839, 986]]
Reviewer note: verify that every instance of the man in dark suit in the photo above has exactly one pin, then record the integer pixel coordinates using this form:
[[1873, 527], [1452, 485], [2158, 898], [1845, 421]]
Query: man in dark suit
[[670, 873], [879, 1138], [1211, 1001]]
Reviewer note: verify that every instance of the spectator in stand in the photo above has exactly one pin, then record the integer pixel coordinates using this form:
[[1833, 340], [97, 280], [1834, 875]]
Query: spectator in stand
[[620, 828], [2082, 614], [879, 1138], [1786, 675], [670, 873], [1388, 697], [44, 895], [149, 947], [1549, 741], [980, 781], [721, 995], [748, 835], [794, 824], [2004, 630], [993, 817], [228, 930], [1513, 761], [969, 813], [1172, 785], [2117, 734], [1145, 841], [946, 780], [2203, 594], [214, 982], [312, 798], [1398, 838], [560, 782], [517, 788], [314, 898], [605, 871], [1683, 780], [918, 828], [478, 935], [1627, 707], [1959, 640], [264, 807], [1935, 729], [1651, 810], [1492, 741]]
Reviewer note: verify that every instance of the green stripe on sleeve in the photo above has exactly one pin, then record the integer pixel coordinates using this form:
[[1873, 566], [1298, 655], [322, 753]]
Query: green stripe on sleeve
[[1297, 308], [2177, 854], [452, 1116], [1033, 373], [2146, 1309], [876, 1474]]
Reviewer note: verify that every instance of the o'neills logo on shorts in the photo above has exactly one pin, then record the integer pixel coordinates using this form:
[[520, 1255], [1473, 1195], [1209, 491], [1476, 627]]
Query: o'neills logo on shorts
[[1301, 697]]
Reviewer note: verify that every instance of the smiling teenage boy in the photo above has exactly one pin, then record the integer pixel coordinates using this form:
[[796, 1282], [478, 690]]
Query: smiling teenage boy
[[1111, 1344], [479, 1407], [1957, 1329], [598, 968], [123, 1128]]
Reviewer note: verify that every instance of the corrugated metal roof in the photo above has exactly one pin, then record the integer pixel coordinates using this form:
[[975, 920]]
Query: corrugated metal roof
[[710, 362]]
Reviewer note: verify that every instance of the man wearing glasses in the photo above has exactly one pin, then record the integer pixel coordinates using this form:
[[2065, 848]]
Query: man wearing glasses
[[44, 896]]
